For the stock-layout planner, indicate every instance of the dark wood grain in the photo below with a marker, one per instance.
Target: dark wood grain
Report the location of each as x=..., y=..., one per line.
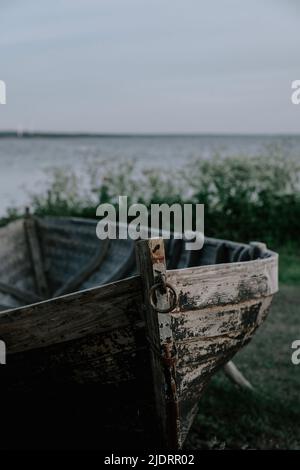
x=71, y=316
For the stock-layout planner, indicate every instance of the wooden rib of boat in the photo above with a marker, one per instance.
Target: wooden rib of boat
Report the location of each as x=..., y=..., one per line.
x=79, y=314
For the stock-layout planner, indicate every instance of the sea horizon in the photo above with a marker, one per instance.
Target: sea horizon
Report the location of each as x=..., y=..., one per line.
x=83, y=134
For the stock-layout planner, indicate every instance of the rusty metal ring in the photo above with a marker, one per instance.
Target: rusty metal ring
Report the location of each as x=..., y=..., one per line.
x=173, y=297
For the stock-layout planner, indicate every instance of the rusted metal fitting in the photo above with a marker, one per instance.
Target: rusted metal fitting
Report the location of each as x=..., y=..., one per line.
x=169, y=361
x=163, y=287
x=169, y=357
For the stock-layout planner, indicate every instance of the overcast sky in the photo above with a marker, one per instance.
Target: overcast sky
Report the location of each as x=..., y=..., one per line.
x=220, y=66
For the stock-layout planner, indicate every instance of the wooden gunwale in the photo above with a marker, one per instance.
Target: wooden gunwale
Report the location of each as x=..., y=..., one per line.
x=88, y=311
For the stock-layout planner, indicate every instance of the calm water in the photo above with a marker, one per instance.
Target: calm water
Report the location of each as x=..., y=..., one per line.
x=24, y=163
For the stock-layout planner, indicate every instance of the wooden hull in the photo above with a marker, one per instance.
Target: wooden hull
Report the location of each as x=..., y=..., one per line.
x=199, y=357
x=105, y=348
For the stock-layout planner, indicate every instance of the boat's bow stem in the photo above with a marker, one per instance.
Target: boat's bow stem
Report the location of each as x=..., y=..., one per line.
x=159, y=300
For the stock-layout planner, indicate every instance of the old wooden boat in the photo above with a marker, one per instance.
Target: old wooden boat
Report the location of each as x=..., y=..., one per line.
x=97, y=341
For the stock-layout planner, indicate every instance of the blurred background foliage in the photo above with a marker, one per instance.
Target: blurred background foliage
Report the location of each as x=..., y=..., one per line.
x=255, y=198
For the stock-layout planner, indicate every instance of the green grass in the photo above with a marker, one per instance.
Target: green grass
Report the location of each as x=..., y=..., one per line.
x=289, y=264
x=269, y=416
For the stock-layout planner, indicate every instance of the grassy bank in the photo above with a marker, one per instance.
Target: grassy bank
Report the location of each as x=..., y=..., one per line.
x=245, y=199
x=289, y=264
x=255, y=198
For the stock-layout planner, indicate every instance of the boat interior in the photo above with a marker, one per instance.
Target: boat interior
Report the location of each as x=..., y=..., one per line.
x=44, y=258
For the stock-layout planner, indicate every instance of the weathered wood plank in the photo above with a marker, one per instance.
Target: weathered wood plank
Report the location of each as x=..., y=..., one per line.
x=103, y=358
x=196, y=348
x=15, y=266
x=206, y=340
x=152, y=267
x=146, y=266
x=206, y=286
x=69, y=317
x=216, y=320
